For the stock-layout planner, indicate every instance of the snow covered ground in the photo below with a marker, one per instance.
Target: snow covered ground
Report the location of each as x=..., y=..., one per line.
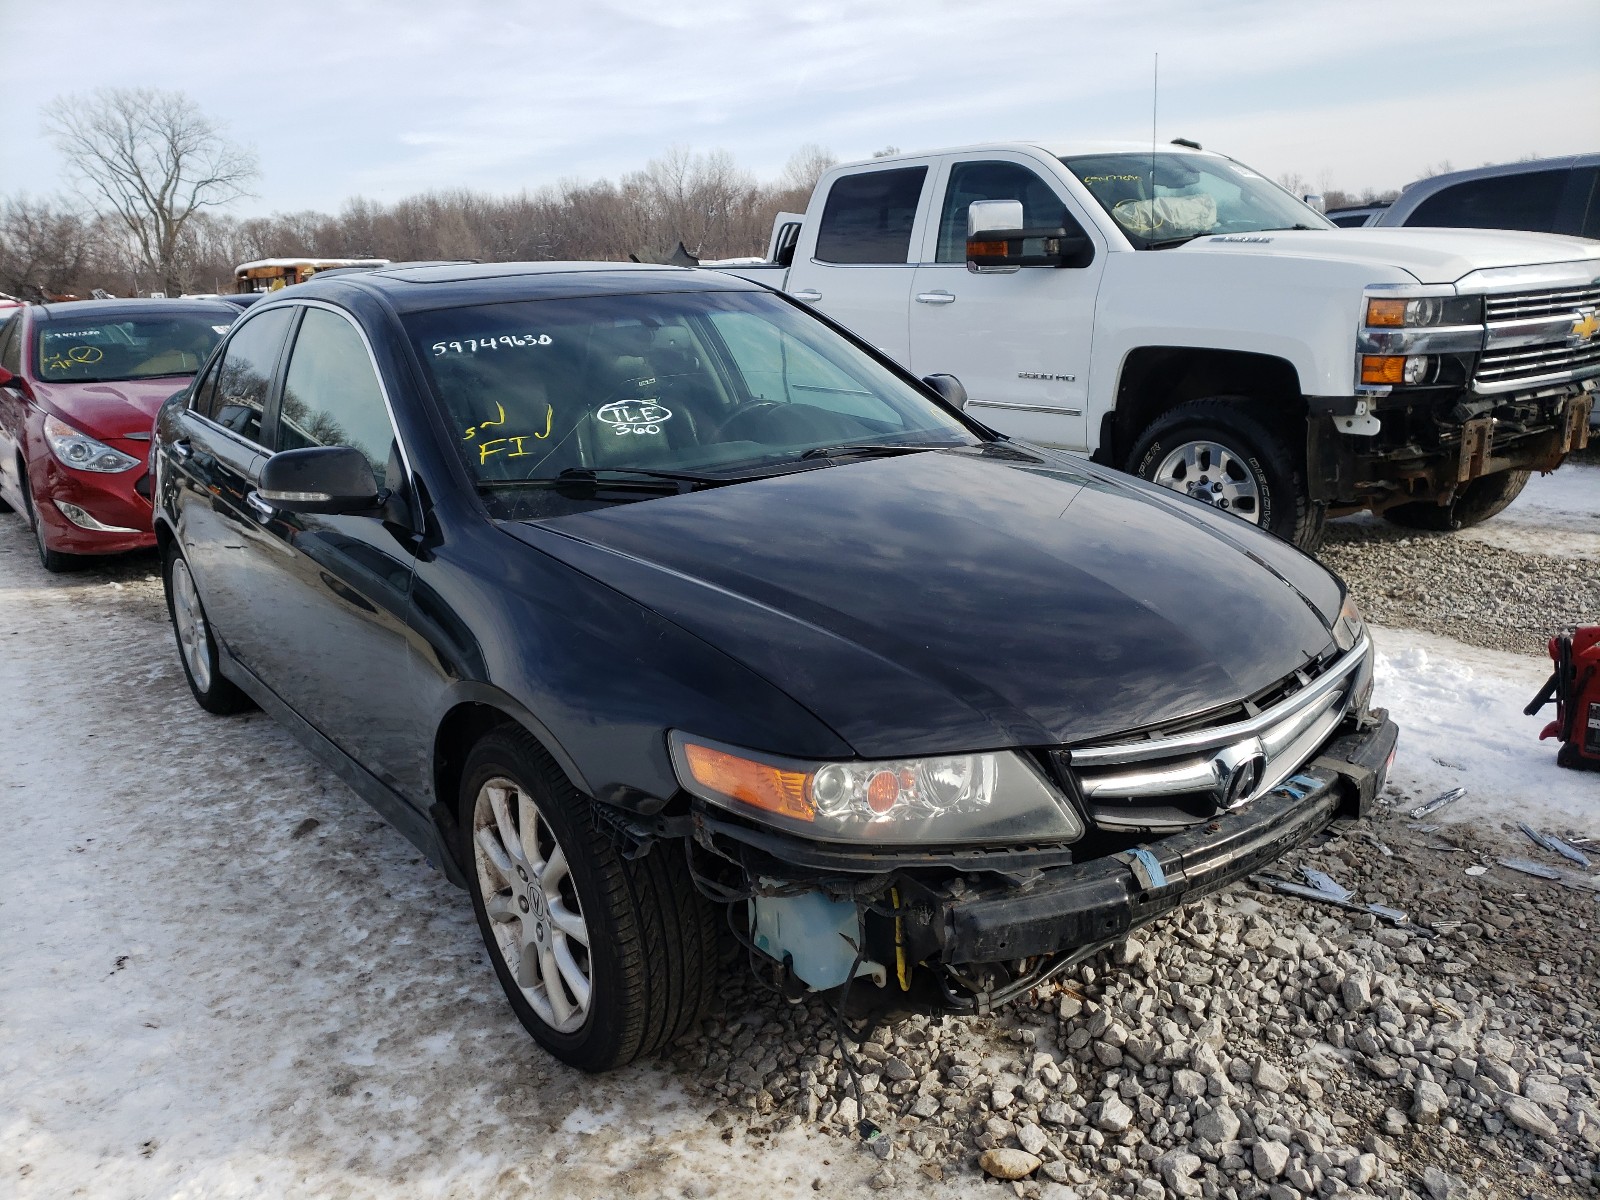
x=225, y=976
x=1462, y=725
x=1557, y=514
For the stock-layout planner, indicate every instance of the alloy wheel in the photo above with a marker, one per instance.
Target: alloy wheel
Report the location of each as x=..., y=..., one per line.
x=532, y=904
x=189, y=619
x=1210, y=472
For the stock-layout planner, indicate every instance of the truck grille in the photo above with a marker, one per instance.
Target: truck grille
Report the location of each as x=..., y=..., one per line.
x=1549, y=303
x=1534, y=362
x=1183, y=778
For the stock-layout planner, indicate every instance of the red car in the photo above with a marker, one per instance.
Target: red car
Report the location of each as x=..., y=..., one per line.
x=79, y=388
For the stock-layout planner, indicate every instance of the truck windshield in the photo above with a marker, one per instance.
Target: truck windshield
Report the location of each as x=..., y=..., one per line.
x=723, y=385
x=1166, y=199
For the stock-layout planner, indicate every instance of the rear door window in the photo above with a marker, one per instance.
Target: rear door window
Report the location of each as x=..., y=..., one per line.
x=234, y=394
x=1528, y=200
x=868, y=217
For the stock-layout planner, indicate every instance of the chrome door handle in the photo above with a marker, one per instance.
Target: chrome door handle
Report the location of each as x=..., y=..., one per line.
x=809, y=295
x=940, y=297
x=262, y=509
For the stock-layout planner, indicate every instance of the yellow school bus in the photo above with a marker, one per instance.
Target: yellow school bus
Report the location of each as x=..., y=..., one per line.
x=270, y=274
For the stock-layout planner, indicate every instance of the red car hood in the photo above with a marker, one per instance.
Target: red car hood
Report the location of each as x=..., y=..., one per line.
x=110, y=410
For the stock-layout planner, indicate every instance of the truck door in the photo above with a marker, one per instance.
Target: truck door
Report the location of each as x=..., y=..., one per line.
x=1019, y=341
x=858, y=265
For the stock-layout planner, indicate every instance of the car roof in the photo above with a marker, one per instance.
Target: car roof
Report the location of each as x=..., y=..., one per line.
x=90, y=309
x=1413, y=194
x=417, y=287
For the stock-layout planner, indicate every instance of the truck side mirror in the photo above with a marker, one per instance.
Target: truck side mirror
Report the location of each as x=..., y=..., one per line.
x=1316, y=201
x=998, y=242
x=949, y=389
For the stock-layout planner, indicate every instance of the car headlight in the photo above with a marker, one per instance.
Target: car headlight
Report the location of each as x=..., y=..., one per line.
x=1347, y=629
x=81, y=452
x=994, y=797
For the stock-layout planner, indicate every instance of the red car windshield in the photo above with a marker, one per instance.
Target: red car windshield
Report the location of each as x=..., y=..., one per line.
x=132, y=347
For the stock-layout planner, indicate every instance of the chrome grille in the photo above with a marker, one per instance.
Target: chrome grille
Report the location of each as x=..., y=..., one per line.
x=1186, y=778
x=1535, y=362
x=1549, y=303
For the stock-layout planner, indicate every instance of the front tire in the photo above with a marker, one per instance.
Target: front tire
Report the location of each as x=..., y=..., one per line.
x=602, y=958
x=1473, y=504
x=197, y=647
x=1222, y=452
x=51, y=560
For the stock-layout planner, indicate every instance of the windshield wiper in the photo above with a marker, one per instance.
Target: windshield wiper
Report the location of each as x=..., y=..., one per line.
x=1166, y=243
x=642, y=478
x=872, y=449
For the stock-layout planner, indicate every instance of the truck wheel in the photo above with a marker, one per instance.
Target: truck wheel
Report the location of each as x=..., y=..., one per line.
x=603, y=958
x=1473, y=505
x=1220, y=452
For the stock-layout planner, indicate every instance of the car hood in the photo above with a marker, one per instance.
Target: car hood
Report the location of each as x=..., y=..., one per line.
x=961, y=600
x=1430, y=255
x=110, y=410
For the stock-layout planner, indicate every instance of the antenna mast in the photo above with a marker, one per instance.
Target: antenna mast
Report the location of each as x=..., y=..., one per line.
x=1155, y=95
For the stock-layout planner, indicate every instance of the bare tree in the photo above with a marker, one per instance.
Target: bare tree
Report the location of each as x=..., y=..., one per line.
x=156, y=160
x=45, y=249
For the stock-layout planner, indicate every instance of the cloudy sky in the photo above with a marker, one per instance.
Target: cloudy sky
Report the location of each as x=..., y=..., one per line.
x=383, y=98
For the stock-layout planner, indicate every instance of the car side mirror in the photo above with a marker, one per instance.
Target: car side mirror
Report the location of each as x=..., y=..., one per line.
x=997, y=241
x=320, y=479
x=949, y=389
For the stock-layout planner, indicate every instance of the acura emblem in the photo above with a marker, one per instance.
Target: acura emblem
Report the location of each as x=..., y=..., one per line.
x=1241, y=783
x=1239, y=770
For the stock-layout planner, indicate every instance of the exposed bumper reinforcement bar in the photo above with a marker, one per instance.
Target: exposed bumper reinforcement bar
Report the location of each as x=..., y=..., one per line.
x=1099, y=902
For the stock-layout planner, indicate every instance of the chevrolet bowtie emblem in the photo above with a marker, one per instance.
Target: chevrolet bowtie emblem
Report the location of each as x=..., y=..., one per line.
x=1585, y=327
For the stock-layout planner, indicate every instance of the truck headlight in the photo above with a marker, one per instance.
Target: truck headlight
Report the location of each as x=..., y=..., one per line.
x=993, y=797
x=1422, y=311
x=81, y=452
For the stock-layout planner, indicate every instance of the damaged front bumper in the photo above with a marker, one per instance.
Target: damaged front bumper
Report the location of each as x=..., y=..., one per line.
x=967, y=932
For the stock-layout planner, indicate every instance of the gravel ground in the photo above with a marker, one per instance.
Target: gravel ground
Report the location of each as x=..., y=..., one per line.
x=1457, y=587
x=1251, y=1045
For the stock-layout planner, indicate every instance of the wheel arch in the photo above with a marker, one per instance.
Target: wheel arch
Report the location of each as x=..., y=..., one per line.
x=1154, y=380
x=474, y=711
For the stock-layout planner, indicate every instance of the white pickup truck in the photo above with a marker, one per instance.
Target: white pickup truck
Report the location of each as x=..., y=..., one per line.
x=1175, y=314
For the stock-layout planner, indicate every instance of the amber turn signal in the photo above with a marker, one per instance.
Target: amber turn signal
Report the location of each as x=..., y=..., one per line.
x=988, y=249
x=1383, y=368
x=1386, y=312
x=786, y=793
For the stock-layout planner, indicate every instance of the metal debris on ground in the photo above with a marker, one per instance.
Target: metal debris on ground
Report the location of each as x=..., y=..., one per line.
x=1339, y=896
x=1572, y=879
x=1443, y=800
x=1381, y=848
x=1555, y=845
x=1477, y=870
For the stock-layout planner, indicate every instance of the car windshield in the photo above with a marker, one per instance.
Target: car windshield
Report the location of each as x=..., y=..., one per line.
x=1166, y=199
x=132, y=347
x=713, y=385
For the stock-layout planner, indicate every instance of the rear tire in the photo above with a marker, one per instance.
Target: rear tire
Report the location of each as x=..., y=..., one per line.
x=1473, y=505
x=1222, y=448
x=197, y=646
x=603, y=959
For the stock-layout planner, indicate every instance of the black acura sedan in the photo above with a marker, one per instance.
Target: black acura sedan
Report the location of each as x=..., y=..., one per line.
x=658, y=611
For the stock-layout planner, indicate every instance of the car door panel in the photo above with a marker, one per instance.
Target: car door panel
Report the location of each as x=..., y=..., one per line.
x=335, y=619
x=858, y=263
x=1019, y=341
